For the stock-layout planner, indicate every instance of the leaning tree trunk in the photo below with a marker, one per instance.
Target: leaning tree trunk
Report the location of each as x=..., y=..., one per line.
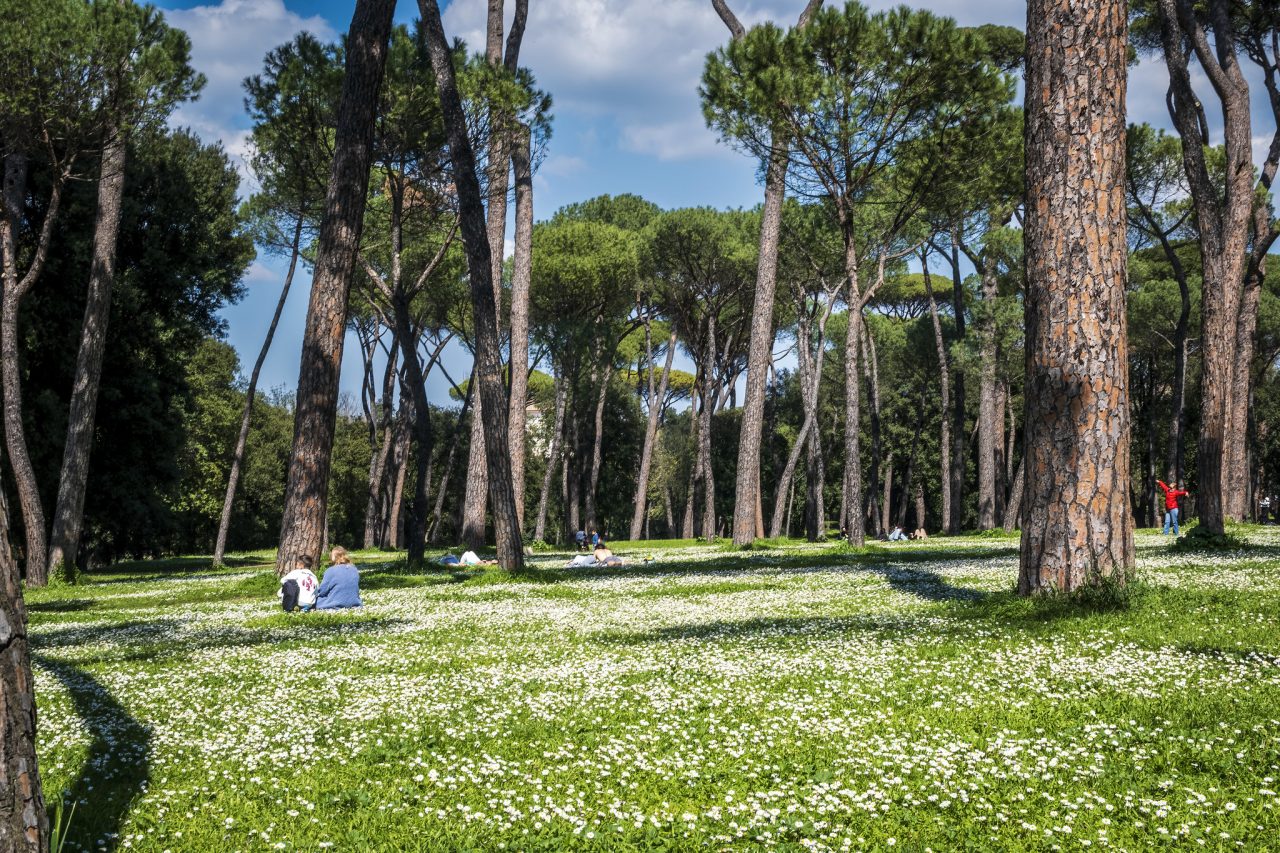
x=1013, y=507
x=433, y=533
x=68, y=516
x=944, y=445
x=484, y=307
x=24, y=824
x=11, y=295
x=522, y=270
x=242, y=440
x=1079, y=527
x=651, y=438
x=315, y=415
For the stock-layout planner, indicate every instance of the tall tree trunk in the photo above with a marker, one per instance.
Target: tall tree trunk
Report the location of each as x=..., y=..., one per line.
x=14, y=289
x=873, y=384
x=379, y=456
x=572, y=480
x=433, y=533
x=419, y=421
x=483, y=287
x=68, y=516
x=1013, y=507
x=695, y=468
x=651, y=436
x=1175, y=455
x=760, y=352
x=597, y=445
x=1079, y=527
x=908, y=482
x=955, y=521
x=787, y=478
x=562, y=395
x=24, y=823
x=852, y=511
x=944, y=376
x=1001, y=452
x=1238, y=497
x=522, y=270
x=1223, y=215
x=307, y=492
x=990, y=415
x=670, y=510
x=476, y=487
x=400, y=463
x=704, y=437
x=242, y=439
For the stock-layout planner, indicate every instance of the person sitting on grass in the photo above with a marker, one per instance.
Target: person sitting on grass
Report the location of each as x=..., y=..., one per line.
x=471, y=558
x=897, y=535
x=340, y=586
x=298, y=588
x=920, y=534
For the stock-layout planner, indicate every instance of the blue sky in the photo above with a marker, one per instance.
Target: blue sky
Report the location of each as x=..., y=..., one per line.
x=624, y=77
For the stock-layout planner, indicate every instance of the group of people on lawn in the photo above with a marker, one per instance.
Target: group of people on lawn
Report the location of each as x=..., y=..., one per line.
x=340, y=588
x=300, y=589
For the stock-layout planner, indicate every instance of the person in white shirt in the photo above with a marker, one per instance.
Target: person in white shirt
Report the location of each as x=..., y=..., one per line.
x=298, y=588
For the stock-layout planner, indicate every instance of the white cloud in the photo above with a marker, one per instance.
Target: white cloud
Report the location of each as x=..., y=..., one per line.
x=681, y=139
x=228, y=43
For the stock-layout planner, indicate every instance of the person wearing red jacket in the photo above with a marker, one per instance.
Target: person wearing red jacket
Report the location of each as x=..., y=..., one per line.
x=1171, y=495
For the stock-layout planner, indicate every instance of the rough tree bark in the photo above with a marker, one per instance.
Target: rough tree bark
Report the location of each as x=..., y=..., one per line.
x=484, y=306
x=242, y=439
x=306, y=494
x=521, y=274
x=1079, y=528
x=13, y=288
x=24, y=824
x=68, y=516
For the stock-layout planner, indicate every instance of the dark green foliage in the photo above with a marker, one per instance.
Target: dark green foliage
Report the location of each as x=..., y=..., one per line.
x=180, y=258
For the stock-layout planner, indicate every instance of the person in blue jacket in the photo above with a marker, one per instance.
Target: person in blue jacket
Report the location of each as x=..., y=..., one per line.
x=340, y=586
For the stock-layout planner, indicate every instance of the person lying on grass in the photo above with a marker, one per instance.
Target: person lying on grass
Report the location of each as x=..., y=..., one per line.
x=605, y=557
x=340, y=586
x=471, y=558
x=298, y=588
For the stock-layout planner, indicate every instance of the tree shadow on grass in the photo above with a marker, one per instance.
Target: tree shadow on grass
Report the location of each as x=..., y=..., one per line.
x=116, y=769
x=166, y=641
x=886, y=626
x=926, y=585
x=65, y=605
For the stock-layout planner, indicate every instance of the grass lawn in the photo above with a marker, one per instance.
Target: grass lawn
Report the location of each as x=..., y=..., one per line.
x=791, y=697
